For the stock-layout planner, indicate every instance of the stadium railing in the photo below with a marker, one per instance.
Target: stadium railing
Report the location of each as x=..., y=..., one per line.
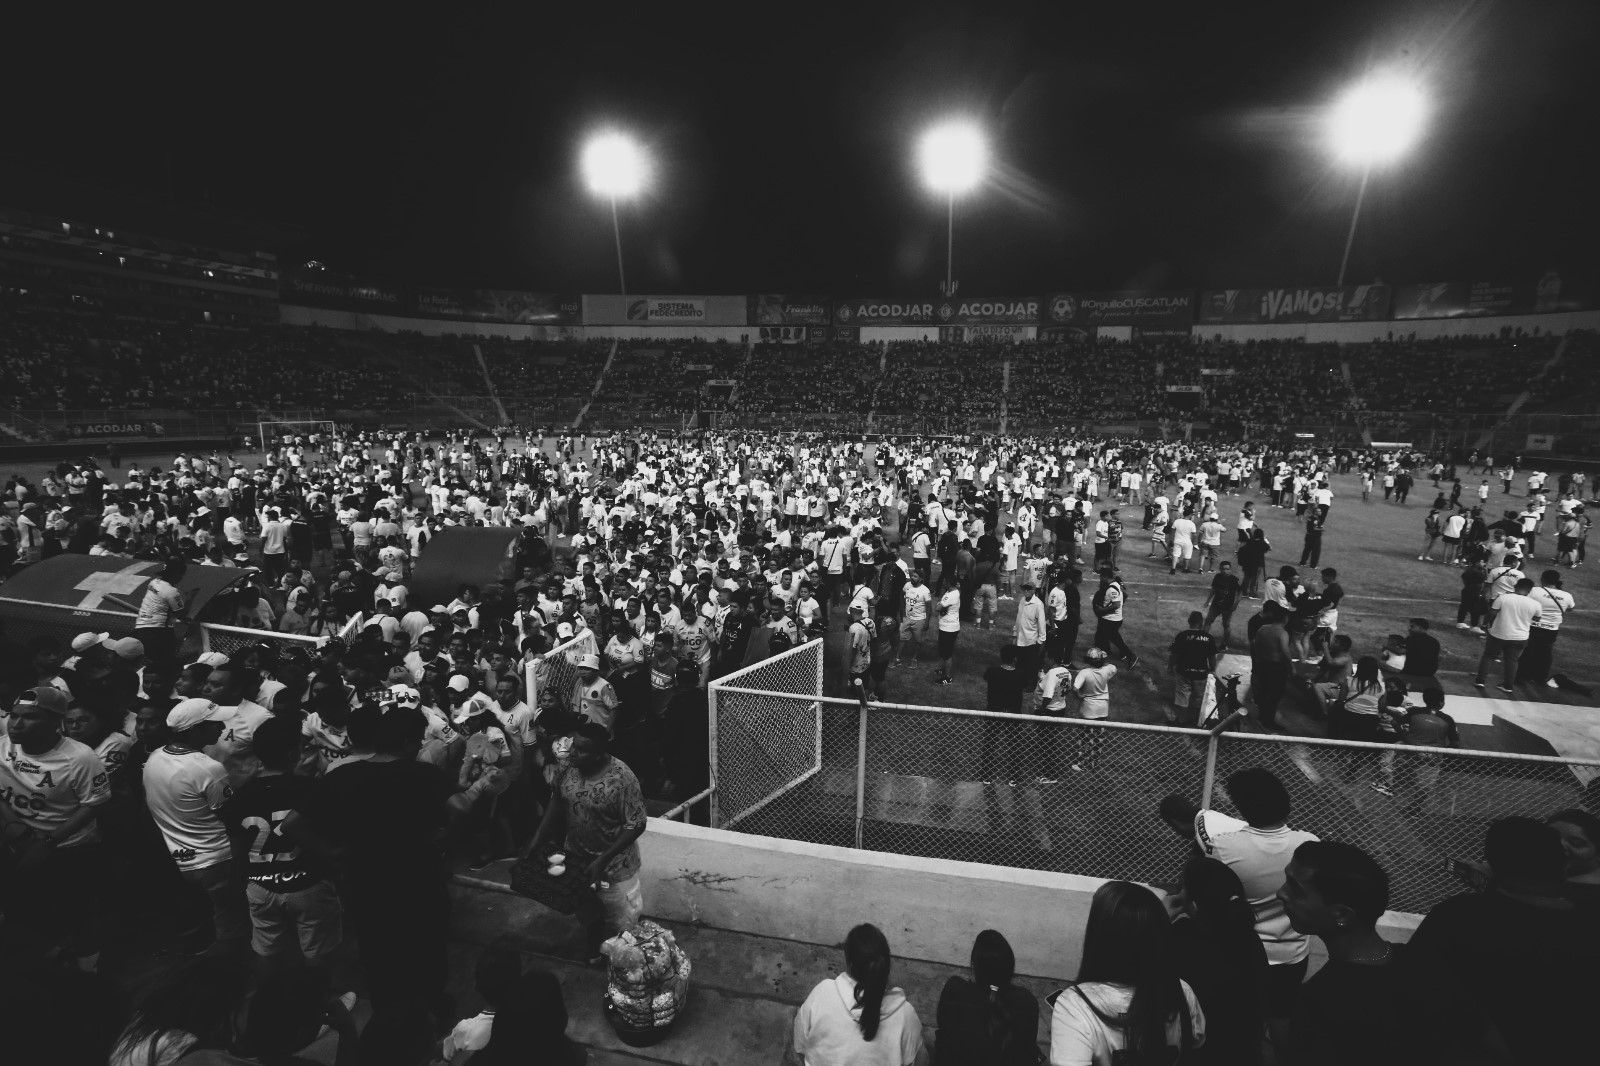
x=229, y=639
x=549, y=678
x=1082, y=797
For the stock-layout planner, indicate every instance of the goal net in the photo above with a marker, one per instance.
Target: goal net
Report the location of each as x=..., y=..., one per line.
x=273, y=435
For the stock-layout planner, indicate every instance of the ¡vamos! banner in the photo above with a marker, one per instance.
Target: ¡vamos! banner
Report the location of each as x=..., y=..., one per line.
x=1353, y=303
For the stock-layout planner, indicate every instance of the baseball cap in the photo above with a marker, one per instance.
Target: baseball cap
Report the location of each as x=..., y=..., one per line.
x=44, y=698
x=564, y=631
x=212, y=659
x=84, y=641
x=438, y=608
x=590, y=661
x=127, y=648
x=191, y=712
x=477, y=703
x=459, y=682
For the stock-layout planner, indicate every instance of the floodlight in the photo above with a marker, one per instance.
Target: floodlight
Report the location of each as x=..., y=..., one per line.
x=614, y=166
x=1377, y=120
x=952, y=157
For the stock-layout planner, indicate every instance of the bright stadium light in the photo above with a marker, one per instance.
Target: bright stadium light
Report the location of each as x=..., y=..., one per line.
x=1377, y=120
x=1374, y=123
x=615, y=167
x=953, y=157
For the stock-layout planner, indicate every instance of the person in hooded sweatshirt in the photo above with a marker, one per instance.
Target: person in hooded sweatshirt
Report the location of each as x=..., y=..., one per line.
x=856, y=1018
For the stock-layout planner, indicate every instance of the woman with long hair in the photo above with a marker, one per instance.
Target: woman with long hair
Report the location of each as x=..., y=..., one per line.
x=194, y=1006
x=987, y=1021
x=1129, y=1003
x=1356, y=716
x=1218, y=954
x=858, y=1018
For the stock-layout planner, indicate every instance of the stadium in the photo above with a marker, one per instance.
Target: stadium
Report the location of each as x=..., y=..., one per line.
x=403, y=670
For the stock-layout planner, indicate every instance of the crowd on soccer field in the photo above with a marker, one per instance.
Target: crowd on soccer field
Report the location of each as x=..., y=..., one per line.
x=288, y=799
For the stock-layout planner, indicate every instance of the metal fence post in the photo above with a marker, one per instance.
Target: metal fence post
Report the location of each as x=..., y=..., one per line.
x=713, y=699
x=1207, y=785
x=861, y=771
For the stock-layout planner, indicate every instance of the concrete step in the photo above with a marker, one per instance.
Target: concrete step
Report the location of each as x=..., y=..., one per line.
x=743, y=994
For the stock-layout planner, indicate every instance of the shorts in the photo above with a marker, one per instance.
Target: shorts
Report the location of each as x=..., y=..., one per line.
x=914, y=629
x=312, y=915
x=947, y=643
x=1183, y=689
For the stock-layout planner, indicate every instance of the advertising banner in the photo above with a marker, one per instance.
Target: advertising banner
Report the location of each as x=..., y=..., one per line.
x=1457, y=299
x=118, y=429
x=1170, y=310
x=324, y=288
x=998, y=310
x=770, y=309
x=1540, y=442
x=1353, y=303
x=1195, y=389
x=1066, y=334
x=874, y=312
x=689, y=309
x=1217, y=371
x=783, y=334
x=994, y=334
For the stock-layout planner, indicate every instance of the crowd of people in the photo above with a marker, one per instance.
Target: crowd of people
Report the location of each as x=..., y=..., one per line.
x=69, y=358
x=290, y=799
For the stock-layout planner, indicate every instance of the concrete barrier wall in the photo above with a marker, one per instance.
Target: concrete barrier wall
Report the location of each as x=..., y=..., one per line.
x=930, y=909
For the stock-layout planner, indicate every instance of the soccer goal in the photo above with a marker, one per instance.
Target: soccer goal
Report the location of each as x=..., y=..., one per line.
x=272, y=434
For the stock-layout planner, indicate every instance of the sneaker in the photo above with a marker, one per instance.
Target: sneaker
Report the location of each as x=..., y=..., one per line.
x=1479, y=685
x=1551, y=683
x=944, y=681
x=1482, y=632
x=1462, y=625
x=1042, y=780
x=1421, y=557
x=1382, y=789
x=1508, y=691
x=1077, y=769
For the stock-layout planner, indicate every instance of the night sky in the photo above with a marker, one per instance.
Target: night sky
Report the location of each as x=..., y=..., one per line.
x=1137, y=147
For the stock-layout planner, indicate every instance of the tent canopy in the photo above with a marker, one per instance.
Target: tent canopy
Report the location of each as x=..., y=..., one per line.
x=69, y=594
x=458, y=555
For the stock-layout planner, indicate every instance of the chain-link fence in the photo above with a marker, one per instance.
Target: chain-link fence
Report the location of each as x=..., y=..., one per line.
x=1082, y=797
x=549, y=679
x=1416, y=810
x=766, y=727
x=230, y=639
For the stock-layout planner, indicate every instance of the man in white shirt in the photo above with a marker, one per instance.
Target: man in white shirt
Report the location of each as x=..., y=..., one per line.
x=949, y=626
x=1183, y=531
x=184, y=787
x=1515, y=614
x=1555, y=603
x=226, y=687
x=1257, y=850
x=274, y=545
x=914, y=623
x=1029, y=633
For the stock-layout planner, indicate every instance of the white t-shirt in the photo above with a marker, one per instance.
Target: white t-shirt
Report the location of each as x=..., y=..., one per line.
x=917, y=599
x=950, y=611
x=1258, y=856
x=1514, y=616
x=45, y=790
x=1079, y=1038
x=183, y=790
x=1553, y=606
x=242, y=722
x=1093, y=685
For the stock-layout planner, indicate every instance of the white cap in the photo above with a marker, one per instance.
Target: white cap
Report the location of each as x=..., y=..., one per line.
x=191, y=712
x=84, y=641
x=212, y=659
x=590, y=661
x=127, y=648
x=459, y=682
x=564, y=631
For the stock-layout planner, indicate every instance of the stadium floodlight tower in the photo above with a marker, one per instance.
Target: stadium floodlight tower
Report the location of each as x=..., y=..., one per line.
x=953, y=157
x=1373, y=124
x=615, y=167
